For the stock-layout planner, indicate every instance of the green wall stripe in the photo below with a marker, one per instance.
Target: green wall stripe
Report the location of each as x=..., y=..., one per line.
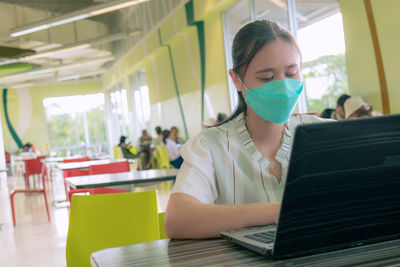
x=171, y=60
x=201, y=37
x=10, y=127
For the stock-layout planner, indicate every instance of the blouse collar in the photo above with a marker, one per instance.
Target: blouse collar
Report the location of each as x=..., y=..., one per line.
x=282, y=155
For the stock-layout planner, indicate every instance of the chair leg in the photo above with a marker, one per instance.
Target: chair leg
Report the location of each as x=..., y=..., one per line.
x=12, y=207
x=66, y=191
x=47, y=206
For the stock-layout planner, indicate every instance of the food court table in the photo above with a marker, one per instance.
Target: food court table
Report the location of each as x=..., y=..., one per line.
x=122, y=178
x=85, y=164
x=218, y=252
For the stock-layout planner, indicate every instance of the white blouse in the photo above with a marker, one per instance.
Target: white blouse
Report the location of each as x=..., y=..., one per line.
x=223, y=166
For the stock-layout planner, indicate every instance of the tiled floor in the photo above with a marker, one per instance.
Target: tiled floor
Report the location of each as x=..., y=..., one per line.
x=34, y=241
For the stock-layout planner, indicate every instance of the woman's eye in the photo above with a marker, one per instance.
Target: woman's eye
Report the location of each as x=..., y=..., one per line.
x=291, y=74
x=267, y=79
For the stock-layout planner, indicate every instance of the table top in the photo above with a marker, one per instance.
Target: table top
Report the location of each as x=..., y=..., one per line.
x=85, y=164
x=122, y=178
x=219, y=252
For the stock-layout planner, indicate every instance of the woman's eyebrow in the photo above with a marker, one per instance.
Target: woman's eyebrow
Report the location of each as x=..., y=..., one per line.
x=265, y=70
x=272, y=69
x=292, y=65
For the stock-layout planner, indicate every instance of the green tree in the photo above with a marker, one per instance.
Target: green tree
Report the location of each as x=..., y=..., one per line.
x=333, y=67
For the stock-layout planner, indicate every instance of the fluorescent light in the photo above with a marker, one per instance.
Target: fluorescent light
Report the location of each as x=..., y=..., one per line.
x=116, y=7
x=37, y=72
x=74, y=16
x=70, y=77
x=56, y=51
x=10, y=61
x=68, y=20
x=30, y=30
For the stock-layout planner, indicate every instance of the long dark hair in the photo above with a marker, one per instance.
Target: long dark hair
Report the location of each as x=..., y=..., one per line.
x=248, y=41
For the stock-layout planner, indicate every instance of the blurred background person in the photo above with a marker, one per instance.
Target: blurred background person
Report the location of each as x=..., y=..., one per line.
x=355, y=107
x=173, y=149
x=128, y=151
x=327, y=113
x=221, y=117
x=144, y=148
x=339, y=113
x=174, y=135
x=157, y=141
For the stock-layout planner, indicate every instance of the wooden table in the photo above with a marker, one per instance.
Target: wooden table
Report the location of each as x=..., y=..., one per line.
x=123, y=178
x=218, y=252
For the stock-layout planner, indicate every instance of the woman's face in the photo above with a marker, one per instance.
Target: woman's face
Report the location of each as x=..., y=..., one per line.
x=276, y=61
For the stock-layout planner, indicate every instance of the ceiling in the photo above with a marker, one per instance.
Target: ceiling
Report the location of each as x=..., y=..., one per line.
x=61, y=53
x=67, y=52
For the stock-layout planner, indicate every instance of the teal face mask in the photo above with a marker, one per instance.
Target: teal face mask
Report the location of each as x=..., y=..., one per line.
x=274, y=101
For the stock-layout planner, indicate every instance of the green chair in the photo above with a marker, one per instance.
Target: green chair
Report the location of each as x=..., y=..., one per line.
x=162, y=158
x=161, y=225
x=109, y=220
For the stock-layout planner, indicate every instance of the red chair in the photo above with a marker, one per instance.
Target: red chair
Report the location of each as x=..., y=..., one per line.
x=32, y=167
x=115, y=167
x=42, y=190
x=72, y=173
x=85, y=158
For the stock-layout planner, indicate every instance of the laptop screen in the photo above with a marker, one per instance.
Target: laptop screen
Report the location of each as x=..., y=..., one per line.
x=343, y=186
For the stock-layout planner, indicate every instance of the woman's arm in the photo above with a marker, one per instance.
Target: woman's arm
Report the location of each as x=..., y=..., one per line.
x=187, y=217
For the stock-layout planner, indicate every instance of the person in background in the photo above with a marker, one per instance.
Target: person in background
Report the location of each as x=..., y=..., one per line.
x=126, y=148
x=28, y=147
x=327, y=113
x=173, y=150
x=157, y=141
x=339, y=110
x=221, y=117
x=355, y=107
x=233, y=174
x=174, y=135
x=145, y=151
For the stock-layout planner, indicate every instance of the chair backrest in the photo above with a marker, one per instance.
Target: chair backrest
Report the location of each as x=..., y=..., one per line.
x=76, y=172
x=109, y=220
x=85, y=158
x=114, y=167
x=162, y=157
x=161, y=216
x=33, y=166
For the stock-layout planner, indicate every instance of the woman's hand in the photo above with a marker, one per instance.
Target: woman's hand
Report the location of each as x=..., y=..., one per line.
x=187, y=217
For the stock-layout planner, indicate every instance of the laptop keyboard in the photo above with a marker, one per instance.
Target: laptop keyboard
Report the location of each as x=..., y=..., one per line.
x=266, y=237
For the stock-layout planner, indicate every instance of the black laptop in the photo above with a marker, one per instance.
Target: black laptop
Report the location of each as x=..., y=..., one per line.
x=342, y=190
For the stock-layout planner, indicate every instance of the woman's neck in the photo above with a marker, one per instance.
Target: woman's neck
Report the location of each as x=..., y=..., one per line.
x=266, y=135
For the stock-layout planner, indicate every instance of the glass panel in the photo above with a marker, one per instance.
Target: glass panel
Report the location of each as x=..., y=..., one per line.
x=236, y=17
x=67, y=126
x=321, y=40
x=275, y=10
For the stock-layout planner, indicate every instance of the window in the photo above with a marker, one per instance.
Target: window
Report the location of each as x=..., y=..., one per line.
x=324, y=66
x=119, y=112
x=75, y=124
x=141, y=102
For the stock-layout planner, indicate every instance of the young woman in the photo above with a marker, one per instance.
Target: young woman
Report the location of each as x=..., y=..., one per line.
x=233, y=174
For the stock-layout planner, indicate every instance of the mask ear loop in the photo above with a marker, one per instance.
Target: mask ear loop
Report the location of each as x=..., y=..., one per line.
x=243, y=84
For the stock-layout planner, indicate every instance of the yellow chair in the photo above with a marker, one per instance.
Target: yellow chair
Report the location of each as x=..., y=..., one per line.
x=117, y=152
x=109, y=220
x=161, y=225
x=162, y=158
